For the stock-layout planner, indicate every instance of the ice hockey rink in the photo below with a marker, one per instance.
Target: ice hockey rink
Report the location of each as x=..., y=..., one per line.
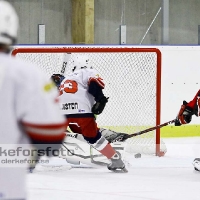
x=149, y=178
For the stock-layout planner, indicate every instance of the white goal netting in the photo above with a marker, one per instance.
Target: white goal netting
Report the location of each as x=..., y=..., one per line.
x=132, y=83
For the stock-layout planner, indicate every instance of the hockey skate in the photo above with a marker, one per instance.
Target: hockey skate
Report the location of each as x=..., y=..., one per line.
x=117, y=164
x=196, y=164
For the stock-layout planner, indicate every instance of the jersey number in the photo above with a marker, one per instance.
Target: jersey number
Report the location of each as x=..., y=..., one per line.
x=69, y=86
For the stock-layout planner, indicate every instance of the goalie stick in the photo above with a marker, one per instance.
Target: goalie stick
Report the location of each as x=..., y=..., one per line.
x=66, y=58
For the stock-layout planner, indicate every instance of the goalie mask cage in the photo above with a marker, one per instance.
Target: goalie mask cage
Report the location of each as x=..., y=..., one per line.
x=132, y=79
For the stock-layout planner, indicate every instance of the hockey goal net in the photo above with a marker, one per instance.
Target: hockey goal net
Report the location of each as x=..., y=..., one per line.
x=132, y=79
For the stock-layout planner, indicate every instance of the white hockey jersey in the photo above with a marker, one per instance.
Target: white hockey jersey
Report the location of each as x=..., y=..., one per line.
x=28, y=110
x=74, y=97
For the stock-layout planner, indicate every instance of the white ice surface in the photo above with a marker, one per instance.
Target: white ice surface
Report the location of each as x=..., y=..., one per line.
x=149, y=178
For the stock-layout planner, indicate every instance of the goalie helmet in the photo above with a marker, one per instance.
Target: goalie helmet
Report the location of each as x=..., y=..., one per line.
x=9, y=23
x=81, y=62
x=57, y=79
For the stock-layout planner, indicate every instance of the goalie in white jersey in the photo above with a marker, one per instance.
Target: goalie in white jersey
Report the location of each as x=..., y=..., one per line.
x=81, y=97
x=29, y=111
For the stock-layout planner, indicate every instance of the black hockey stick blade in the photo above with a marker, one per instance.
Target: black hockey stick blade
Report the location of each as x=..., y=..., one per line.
x=148, y=130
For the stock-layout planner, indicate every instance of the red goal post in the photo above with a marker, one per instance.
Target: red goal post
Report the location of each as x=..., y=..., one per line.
x=133, y=82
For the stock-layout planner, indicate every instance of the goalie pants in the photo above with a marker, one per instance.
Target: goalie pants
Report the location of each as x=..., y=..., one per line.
x=86, y=125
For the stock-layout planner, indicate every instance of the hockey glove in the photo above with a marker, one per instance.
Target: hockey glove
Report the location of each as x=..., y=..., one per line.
x=113, y=136
x=121, y=137
x=99, y=106
x=185, y=115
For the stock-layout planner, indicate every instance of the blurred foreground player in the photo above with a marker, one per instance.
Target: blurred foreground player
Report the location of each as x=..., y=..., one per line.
x=185, y=116
x=81, y=98
x=29, y=111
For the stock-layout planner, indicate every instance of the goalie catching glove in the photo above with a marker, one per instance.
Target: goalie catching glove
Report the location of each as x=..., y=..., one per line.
x=99, y=106
x=185, y=115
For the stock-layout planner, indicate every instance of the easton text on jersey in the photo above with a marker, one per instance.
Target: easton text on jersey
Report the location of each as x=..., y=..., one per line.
x=68, y=106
